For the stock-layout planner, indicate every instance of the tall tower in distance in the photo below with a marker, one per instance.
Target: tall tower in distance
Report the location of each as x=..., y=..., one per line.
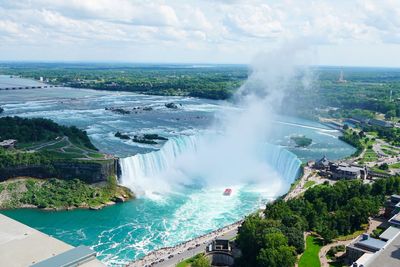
x=341, y=77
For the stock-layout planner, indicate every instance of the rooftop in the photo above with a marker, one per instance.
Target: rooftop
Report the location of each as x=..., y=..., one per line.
x=21, y=245
x=389, y=257
x=371, y=243
x=395, y=219
x=349, y=168
x=390, y=233
x=395, y=197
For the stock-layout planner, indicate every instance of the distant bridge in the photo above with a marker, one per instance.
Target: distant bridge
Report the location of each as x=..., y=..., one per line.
x=18, y=87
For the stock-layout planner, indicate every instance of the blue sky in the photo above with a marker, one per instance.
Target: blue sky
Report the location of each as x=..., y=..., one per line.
x=355, y=33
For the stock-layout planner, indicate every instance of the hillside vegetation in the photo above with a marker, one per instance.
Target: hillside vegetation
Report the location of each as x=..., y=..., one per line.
x=327, y=210
x=39, y=130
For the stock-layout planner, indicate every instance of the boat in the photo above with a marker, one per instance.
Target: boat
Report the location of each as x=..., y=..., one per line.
x=227, y=192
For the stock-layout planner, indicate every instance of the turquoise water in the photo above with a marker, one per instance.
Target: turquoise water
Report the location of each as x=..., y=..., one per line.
x=128, y=231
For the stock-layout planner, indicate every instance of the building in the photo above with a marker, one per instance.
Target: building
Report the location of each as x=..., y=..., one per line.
x=220, y=244
x=387, y=256
x=348, y=172
x=362, y=245
x=395, y=220
x=392, y=206
x=380, y=123
x=21, y=245
x=322, y=164
x=340, y=170
x=9, y=143
x=383, y=252
x=220, y=253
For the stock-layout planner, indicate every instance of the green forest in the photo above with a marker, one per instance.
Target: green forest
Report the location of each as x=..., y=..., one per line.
x=26, y=130
x=328, y=210
x=39, y=141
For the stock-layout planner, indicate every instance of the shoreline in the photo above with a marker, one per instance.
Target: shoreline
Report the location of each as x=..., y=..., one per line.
x=162, y=254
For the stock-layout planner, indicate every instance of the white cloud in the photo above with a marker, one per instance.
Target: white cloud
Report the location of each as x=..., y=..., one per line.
x=233, y=28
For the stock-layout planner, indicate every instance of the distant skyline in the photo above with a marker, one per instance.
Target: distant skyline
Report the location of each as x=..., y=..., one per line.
x=339, y=33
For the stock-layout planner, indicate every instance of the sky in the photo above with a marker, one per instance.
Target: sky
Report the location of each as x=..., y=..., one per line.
x=339, y=32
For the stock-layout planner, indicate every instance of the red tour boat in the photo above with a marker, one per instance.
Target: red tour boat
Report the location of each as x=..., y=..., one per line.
x=227, y=192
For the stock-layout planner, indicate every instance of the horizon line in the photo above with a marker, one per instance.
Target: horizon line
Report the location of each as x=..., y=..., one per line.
x=177, y=63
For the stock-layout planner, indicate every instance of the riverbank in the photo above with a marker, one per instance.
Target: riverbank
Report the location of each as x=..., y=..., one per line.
x=55, y=194
x=169, y=256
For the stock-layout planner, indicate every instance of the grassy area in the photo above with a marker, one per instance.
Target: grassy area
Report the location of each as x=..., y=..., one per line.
x=373, y=134
x=370, y=156
x=56, y=146
x=390, y=152
x=353, y=235
x=55, y=193
x=294, y=184
x=309, y=183
x=96, y=155
x=377, y=170
x=187, y=262
x=390, y=147
x=395, y=165
x=310, y=256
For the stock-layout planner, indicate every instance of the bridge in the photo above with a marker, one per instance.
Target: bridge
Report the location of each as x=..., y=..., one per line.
x=17, y=87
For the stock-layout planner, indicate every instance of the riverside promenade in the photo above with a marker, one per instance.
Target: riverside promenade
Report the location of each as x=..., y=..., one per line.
x=170, y=256
x=21, y=245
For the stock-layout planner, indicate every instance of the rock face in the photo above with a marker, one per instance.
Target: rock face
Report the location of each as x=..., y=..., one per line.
x=90, y=172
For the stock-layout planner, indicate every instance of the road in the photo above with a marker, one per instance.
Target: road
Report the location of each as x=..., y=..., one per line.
x=185, y=250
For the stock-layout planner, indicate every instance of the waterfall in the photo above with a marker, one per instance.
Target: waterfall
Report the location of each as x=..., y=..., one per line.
x=155, y=171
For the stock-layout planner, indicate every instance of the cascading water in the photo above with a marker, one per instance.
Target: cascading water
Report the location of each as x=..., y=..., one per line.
x=140, y=171
x=155, y=171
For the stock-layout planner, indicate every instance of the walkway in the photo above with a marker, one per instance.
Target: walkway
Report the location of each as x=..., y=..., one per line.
x=171, y=256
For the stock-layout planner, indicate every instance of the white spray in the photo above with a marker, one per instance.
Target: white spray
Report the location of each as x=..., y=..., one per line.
x=234, y=154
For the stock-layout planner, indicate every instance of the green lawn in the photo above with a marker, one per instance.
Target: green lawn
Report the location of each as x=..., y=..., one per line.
x=353, y=235
x=395, y=165
x=370, y=155
x=376, y=169
x=390, y=152
x=309, y=183
x=187, y=262
x=310, y=256
x=374, y=134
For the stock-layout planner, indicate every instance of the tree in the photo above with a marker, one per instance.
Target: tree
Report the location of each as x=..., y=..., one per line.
x=384, y=166
x=295, y=238
x=282, y=256
x=390, y=114
x=345, y=127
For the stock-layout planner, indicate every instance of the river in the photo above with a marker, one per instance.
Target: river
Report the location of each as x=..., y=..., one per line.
x=127, y=231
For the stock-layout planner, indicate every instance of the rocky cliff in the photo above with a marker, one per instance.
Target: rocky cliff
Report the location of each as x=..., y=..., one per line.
x=91, y=171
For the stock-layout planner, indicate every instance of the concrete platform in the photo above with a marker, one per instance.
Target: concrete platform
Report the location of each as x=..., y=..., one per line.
x=21, y=245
